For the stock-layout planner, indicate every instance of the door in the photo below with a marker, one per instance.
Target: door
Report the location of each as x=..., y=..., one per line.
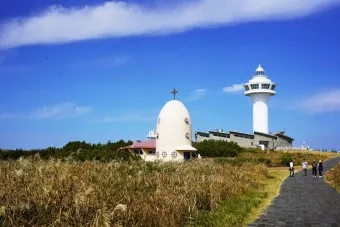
x=186, y=156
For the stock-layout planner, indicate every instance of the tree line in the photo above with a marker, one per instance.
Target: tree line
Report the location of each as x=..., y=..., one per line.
x=75, y=150
x=81, y=151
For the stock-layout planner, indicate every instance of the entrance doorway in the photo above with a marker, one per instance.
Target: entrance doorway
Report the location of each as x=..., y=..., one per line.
x=186, y=156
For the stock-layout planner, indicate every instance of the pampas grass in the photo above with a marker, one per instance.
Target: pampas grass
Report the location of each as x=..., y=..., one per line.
x=43, y=193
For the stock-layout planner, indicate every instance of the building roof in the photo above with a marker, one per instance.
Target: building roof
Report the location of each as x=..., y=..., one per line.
x=147, y=144
x=186, y=148
x=283, y=135
x=243, y=133
x=259, y=69
x=265, y=134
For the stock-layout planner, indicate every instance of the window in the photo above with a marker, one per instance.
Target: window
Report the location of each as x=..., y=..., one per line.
x=186, y=120
x=265, y=86
x=157, y=136
x=246, y=87
x=159, y=120
x=187, y=135
x=151, y=152
x=174, y=154
x=254, y=86
x=260, y=73
x=138, y=152
x=273, y=87
x=164, y=154
x=157, y=154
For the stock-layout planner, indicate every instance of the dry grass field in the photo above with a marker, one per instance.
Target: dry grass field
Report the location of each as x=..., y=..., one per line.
x=35, y=192
x=204, y=192
x=333, y=177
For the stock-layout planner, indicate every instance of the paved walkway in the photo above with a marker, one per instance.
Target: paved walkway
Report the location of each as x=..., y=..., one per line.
x=304, y=201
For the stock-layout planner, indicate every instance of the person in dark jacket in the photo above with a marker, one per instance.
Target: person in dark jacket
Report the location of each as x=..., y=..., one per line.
x=320, y=168
x=314, y=166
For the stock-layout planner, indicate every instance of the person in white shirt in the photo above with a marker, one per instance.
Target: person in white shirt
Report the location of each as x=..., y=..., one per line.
x=304, y=166
x=291, y=169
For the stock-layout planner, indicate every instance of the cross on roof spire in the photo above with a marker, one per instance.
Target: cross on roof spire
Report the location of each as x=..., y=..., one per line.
x=174, y=92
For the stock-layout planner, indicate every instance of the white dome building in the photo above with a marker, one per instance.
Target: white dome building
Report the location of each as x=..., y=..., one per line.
x=173, y=133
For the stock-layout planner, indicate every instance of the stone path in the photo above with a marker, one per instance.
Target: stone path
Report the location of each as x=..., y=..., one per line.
x=304, y=201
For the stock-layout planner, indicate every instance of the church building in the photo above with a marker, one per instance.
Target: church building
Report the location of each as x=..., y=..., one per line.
x=173, y=137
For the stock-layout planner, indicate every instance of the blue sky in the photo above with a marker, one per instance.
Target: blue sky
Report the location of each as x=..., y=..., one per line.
x=99, y=71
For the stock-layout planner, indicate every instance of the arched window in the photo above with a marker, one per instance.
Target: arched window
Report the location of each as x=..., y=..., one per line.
x=157, y=135
x=187, y=135
x=186, y=120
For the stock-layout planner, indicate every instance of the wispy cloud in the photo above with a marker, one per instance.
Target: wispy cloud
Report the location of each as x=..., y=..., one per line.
x=135, y=117
x=233, y=88
x=117, y=19
x=328, y=101
x=196, y=95
x=58, y=111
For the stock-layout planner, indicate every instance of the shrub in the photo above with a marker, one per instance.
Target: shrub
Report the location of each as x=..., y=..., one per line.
x=285, y=159
x=218, y=148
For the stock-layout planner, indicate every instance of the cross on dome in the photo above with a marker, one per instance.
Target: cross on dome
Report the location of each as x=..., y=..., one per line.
x=174, y=92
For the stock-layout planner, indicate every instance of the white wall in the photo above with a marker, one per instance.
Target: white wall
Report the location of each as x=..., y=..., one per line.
x=260, y=112
x=172, y=131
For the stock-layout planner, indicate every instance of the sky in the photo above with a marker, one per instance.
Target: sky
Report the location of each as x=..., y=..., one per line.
x=99, y=70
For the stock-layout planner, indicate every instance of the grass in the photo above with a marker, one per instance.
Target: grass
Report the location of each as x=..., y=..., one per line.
x=244, y=209
x=206, y=192
x=36, y=192
x=333, y=177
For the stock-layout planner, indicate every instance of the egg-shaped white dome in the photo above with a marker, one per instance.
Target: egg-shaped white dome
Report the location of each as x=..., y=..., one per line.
x=173, y=133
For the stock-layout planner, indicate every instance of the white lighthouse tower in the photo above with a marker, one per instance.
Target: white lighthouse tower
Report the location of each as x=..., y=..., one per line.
x=259, y=88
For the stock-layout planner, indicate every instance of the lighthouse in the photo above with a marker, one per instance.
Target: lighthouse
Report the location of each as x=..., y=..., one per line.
x=259, y=89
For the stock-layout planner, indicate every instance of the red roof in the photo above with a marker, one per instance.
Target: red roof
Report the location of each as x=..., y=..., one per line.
x=147, y=144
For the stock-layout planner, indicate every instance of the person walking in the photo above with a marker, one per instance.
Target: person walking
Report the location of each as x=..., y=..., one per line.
x=291, y=169
x=304, y=166
x=314, y=165
x=320, y=168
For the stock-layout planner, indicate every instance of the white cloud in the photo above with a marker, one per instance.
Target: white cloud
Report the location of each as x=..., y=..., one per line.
x=197, y=94
x=58, y=111
x=117, y=19
x=328, y=101
x=234, y=88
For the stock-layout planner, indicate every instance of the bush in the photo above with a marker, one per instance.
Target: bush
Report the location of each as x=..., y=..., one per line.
x=285, y=159
x=218, y=148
